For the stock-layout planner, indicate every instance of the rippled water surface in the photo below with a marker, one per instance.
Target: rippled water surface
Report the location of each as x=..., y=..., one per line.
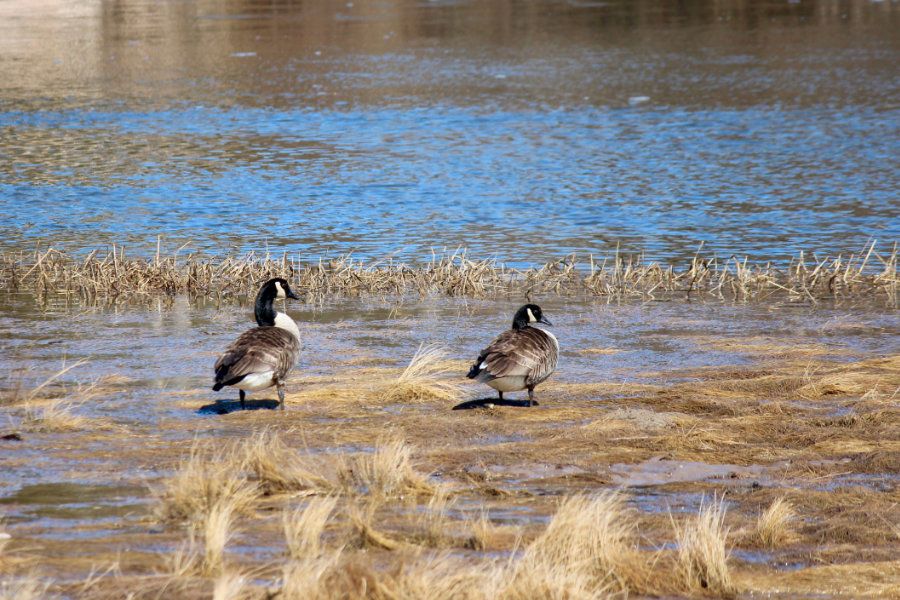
x=521, y=130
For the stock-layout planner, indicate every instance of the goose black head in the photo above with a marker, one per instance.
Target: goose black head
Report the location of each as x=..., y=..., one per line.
x=268, y=293
x=530, y=313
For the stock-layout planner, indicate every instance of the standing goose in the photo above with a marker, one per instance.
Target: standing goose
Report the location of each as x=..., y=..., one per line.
x=519, y=358
x=263, y=356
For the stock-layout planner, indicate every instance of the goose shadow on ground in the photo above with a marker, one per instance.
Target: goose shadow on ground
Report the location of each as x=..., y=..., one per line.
x=223, y=407
x=491, y=402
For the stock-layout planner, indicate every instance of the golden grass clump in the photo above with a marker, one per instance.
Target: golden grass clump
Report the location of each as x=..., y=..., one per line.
x=110, y=275
x=432, y=524
x=230, y=586
x=587, y=551
x=775, y=526
x=423, y=380
x=304, y=526
x=702, y=551
x=276, y=468
x=435, y=576
x=216, y=533
x=386, y=472
x=17, y=394
x=319, y=578
x=202, y=485
x=26, y=588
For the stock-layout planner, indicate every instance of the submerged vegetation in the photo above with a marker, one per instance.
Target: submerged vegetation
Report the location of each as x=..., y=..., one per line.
x=112, y=274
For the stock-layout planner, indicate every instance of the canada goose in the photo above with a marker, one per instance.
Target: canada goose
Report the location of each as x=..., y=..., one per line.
x=519, y=358
x=263, y=356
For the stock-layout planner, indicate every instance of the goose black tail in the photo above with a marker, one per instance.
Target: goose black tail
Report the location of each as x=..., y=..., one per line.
x=473, y=372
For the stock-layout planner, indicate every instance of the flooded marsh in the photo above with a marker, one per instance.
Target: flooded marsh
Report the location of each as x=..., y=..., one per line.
x=733, y=449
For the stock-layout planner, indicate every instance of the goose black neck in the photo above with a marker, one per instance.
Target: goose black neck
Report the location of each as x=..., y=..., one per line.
x=521, y=320
x=265, y=309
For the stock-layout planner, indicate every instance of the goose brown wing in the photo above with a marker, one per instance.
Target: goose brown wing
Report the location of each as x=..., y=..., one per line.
x=519, y=352
x=257, y=350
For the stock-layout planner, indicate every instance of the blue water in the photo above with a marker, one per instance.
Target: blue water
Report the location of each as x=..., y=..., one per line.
x=376, y=128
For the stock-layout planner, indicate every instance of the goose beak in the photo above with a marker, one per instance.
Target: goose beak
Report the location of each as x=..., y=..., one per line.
x=290, y=294
x=545, y=321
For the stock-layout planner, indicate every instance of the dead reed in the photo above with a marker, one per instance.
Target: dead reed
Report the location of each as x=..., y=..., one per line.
x=112, y=275
x=588, y=550
x=303, y=527
x=424, y=379
x=23, y=589
x=205, y=482
x=702, y=551
x=387, y=472
x=775, y=526
x=275, y=468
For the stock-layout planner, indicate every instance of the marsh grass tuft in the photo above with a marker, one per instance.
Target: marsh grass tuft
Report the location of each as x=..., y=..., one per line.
x=230, y=586
x=207, y=481
x=432, y=526
x=304, y=526
x=216, y=533
x=55, y=416
x=386, y=472
x=112, y=275
x=277, y=468
x=436, y=576
x=26, y=588
x=775, y=526
x=587, y=549
x=424, y=379
x=702, y=550
x=321, y=578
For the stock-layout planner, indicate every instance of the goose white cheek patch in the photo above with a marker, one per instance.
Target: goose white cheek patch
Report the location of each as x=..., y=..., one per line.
x=531, y=318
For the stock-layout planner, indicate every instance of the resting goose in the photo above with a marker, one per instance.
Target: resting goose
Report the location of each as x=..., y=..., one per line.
x=519, y=358
x=263, y=356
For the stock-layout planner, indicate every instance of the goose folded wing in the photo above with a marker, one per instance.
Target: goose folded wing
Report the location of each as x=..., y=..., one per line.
x=515, y=353
x=258, y=350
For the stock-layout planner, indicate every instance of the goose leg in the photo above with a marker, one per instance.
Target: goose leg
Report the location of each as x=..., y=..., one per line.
x=530, y=396
x=501, y=395
x=280, y=397
x=243, y=406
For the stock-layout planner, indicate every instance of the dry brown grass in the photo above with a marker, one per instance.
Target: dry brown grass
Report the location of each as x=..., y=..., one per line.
x=111, y=275
x=216, y=533
x=25, y=588
x=776, y=526
x=425, y=379
x=702, y=551
x=230, y=586
x=386, y=472
x=17, y=394
x=319, y=579
x=587, y=550
x=304, y=526
x=436, y=576
x=52, y=405
x=277, y=468
x=203, y=484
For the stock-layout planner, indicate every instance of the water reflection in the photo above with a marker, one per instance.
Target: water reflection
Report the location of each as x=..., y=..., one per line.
x=522, y=130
